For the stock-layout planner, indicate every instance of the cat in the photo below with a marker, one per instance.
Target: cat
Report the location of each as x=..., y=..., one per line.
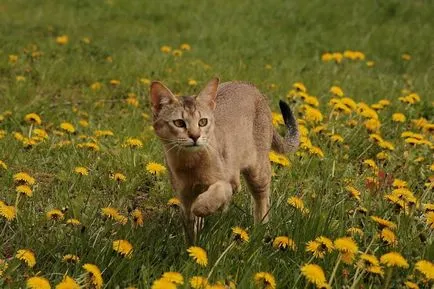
x=212, y=138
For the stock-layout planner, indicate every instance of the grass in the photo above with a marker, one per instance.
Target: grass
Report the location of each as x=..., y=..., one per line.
x=235, y=41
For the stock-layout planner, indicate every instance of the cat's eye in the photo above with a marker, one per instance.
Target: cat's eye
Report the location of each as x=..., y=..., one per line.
x=203, y=122
x=179, y=123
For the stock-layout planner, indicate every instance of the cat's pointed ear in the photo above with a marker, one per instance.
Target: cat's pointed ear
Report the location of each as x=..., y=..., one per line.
x=160, y=96
x=209, y=93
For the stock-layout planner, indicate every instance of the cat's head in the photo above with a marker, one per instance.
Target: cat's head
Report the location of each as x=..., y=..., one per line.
x=184, y=122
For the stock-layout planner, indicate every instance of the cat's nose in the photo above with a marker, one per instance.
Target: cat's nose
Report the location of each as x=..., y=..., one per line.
x=194, y=137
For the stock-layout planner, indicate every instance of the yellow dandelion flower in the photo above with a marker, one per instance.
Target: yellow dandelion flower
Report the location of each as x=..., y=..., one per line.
x=299, y=87
x=398, y=117
x=96, y=86
x=394, y=259
x=354, y=193
x=8, y=212
x=185, y=47
x=89, y=145
x=38, y=283
x=173, y=202
x=312, y=100
x=240, y=234
x=166, y=49
x=25, y=190
x=13, y=58
x=428, y=207
x=62, y=40
x=298, y=203
x=375, y=270
x=371, y=163
x=199, y=282
x=83, y=123
x=123, y=247
x=326, y=57
x=386, y=145
x=94, y=275
x=426, y=268
x=351, y=104
x=109, y=212
x=145, y=81
x=115, y=82
x=373, y=125
x=82, y=171
x=320, y=246
x=430, y=219
x=278, y=159
x=163, y=284
x=173, y=277
x=382, y=223
x=103, y=133
x=284, y=242
x=24, y=178
x=67, y=127
x=370, y=63
x=68, y=283
x=70, y=258
x=411, y=285
x=312, y=114
x=199, y=255
x=20, y=78
x=55, y=214
x=155, y=168
x=27, y=256
x=313, y=274
x=137, y=218
x=382, y=156
x=367, y=260
x=353, y=231
x=336, y=90
x=342, y=108
x=33, y=118
x=346, y=245
x=336, y=138
x=316, y=151
x=119, y=177
x=406, y=57
x=177, y=52
x=133, y=101
x=133, y=143
x=265, y=280
x=388, y=237
x=277, y=119
x=337, y=57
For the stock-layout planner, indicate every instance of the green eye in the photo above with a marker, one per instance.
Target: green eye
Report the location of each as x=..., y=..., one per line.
x=179, y=123
x=203, y=122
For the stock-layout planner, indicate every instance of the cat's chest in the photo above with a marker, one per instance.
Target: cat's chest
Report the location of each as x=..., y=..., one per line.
x=196, y=181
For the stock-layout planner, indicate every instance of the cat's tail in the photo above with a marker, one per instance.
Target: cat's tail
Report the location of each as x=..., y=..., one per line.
x=291, y=141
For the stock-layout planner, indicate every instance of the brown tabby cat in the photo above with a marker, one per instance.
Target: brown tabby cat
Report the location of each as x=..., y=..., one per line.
x=211, y=138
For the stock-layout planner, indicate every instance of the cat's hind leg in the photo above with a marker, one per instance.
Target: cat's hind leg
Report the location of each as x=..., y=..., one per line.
x=216, y=197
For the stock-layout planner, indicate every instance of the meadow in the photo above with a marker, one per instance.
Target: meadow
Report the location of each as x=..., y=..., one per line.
x=85, y=200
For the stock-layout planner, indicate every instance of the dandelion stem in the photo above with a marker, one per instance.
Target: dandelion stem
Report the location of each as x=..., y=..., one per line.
x=335, y=269
x=219, y=259
x=30, y=130
x=388, y=278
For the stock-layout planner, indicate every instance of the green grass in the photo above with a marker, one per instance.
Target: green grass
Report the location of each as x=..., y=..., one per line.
x=233, y=41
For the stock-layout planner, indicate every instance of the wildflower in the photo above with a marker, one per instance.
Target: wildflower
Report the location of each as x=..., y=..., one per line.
x=94, y=274
x=68, y=127
x=103, y=133
x=336, y=90
x=165, y=49
x=353, y=231
x=426, y=268
x=25, y=190
x=20, y=78
x=320, y=246
x=298, y=203
x=398, y=117
x=192, y=82
x=123, y=247
x=367, y=260
x=411, y=285
x=137, y=218
x=265, y=280
x=174, y=202
x=314, y=274
x=383, y=223
x=430, y=219
x=70, y=258
x=346, y=245
x=55, y=214
x=33, y=118
x=89, y=145
x=8, y=212
x=325, y=57
x=115, y=82
x=278, y=158
x=173, y=277
x=24, y=178
x=199, y=255
x=163, y=284
x=82, y=171
x=27, y=256
x=177, y=52
x=312, y=114
x=388, y=237
x=372, y=124
x=370, y=63
x=351, y=104
x=353, y=192
x=240, y=234
x=185, y=47
x=38, y=283
x=119, y=177
x=394, y=259
x=298, y=86
x=68, y=283
x=109, y=212
x=316, y=151
x=386, y=145
x=155, y=168
x=96, y=86
x=283, y=242
x=341, y=107
x=371, y=163
x=13, y=58
x=406, y=56
x=337, y=138
x=132, y=101
x=198, y=282
x=62, y=40
x=337, y=57
x=133, y=143
x=277, y=119
x=312, y=100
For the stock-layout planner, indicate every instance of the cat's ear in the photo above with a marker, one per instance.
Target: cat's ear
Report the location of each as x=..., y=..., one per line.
x=209, y=93
x=160, y=96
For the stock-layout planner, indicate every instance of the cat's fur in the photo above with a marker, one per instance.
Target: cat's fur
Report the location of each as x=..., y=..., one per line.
x=205, y=162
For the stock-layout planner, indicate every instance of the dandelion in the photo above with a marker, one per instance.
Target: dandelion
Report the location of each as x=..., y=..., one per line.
x=406, y=57
x=115, y=82
x=12, y=58
x=426, y=268
x=393, y=259
x=67, y=127
x=430, y=219
x=25, y=190
x=398, y=117
x=240, y=234
x=89, y=145
x=192, y=82
x=411, y=285
x=284, y=242
x=27, y=256
x=354, y=231
x=199, y=255
x=95, y=276
x=109, y=212
x=173, y=202
x=123, y=247
x=298, y=203
x=55, y=214
x=265, y=280
x=277, y=119
x=96, y=86
x=313, y=274
x=163, y=284
x=133, y=143
x=82, y=171
x=185, y=47
x=336, y=90
x=320, y=246
x=119, y=177
x=24, y=178
x=177, y=52
x=155, y=168
x=68, y=283
x=312, y=114
x=173, y=277
x=388, y=237
x=367, y=260
x=298, y=86
x=166, y=49
x=62, y=40
x=382, y=223
x=70, y=258
x=354, y=193
x=103, y=133
x=7, y=212
x=346, y=245
x=198, y=282
x=3, y=165
x=20, y=78
x=316, y=151
x=278, y=159
x=336, y=138
x=38, y=283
